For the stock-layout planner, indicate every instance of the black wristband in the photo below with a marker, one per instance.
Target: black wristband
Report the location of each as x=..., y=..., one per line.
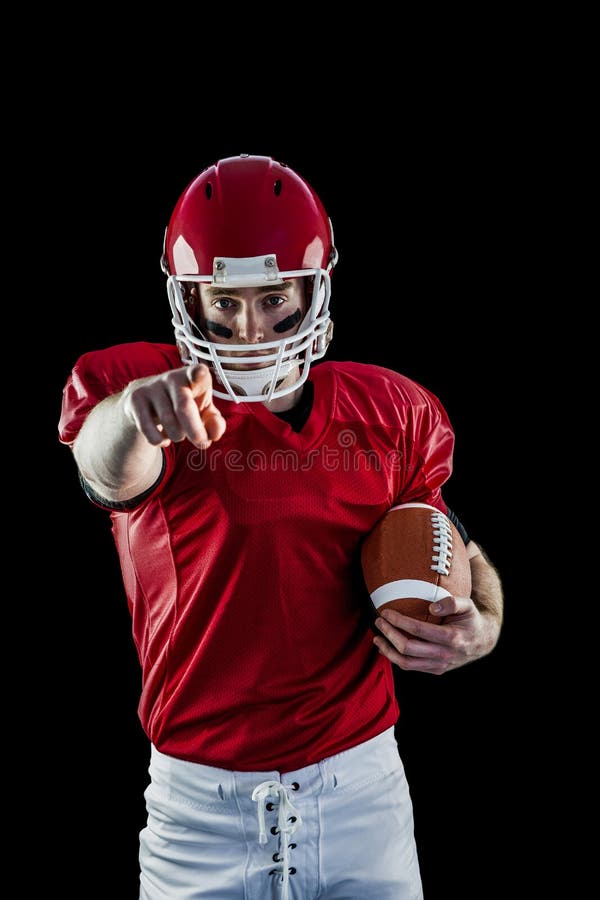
x=459, y=526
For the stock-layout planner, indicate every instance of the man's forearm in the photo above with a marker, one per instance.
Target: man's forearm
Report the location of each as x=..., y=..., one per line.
x=113, y=457
x=486, y=591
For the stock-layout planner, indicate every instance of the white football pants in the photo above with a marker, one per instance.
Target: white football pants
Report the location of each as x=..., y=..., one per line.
x=338, y=830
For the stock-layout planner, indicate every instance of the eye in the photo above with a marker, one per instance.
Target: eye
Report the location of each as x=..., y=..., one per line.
x=275, y=301
x=223, y=303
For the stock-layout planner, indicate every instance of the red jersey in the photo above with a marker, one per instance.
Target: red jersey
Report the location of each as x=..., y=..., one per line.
x=241, y=568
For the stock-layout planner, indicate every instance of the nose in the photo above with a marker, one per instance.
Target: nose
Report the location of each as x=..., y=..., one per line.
x=250, y=327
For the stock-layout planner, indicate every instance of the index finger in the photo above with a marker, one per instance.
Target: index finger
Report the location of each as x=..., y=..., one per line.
x=200, y=419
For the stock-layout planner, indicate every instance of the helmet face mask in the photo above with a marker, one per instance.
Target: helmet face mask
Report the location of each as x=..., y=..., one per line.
x=250, y=222
x=280, y=359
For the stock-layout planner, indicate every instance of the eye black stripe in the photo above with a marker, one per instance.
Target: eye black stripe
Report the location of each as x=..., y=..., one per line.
x=288, y=322
x=218, y=329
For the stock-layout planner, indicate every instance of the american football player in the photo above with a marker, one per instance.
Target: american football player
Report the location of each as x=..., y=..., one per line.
x=241, y=471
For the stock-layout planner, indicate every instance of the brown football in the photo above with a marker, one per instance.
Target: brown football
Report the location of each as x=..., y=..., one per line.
x=414, y=556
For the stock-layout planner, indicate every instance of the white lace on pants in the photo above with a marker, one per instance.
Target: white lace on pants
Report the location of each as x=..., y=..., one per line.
x=289, y=819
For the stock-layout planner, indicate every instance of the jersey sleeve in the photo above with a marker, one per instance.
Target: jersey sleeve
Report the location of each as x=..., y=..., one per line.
x=428, y=449
x=82, y=392
x=100, y=374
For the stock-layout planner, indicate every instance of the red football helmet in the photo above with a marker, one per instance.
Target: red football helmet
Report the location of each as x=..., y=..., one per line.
x=250, y=221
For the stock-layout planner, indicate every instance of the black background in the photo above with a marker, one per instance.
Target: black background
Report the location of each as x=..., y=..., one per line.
x=424, y=285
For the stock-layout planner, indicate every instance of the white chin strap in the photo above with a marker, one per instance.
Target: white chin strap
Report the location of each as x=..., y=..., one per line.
x=252, y=382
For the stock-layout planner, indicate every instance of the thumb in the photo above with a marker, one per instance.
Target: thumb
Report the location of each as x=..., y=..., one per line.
x=199, y=379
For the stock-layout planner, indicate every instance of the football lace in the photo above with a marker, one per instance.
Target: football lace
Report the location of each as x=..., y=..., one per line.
x=442, y=543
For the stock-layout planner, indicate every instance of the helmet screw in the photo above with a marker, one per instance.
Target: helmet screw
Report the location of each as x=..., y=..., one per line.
x=219, y=264
x=269, y=262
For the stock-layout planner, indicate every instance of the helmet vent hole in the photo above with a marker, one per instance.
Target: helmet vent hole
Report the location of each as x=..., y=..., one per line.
x=277, y=187
x=208, y=190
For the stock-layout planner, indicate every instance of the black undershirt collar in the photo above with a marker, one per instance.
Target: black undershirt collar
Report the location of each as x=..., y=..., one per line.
x=298, y=415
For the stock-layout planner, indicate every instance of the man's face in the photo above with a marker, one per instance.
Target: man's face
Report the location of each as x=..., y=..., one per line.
x=251, y=315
